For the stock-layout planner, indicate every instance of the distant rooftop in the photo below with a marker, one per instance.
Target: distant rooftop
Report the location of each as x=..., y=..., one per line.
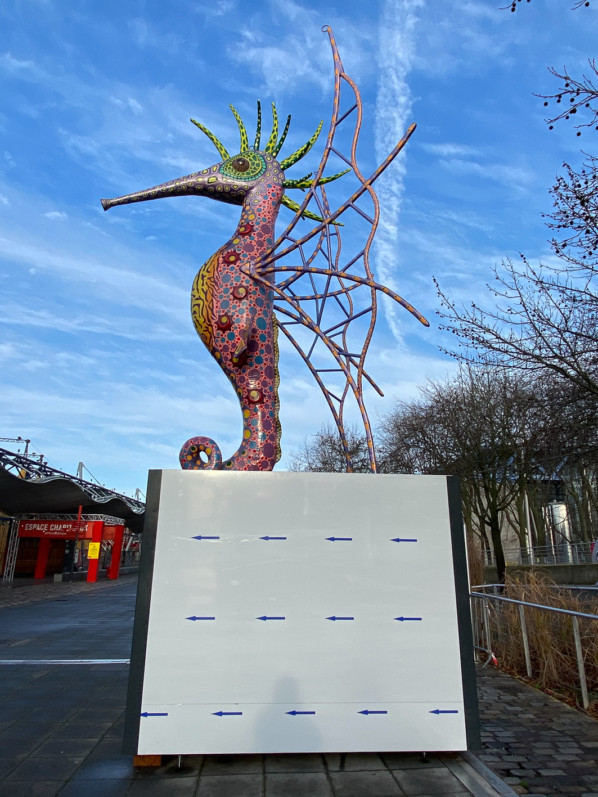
x=31, y=486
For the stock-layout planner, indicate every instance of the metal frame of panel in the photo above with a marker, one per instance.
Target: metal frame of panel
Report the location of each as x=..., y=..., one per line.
x=301, y=612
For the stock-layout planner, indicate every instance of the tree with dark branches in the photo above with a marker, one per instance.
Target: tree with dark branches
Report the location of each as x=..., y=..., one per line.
x=576, y=96
x=546, y=316
x=479, y=425
x=575, y=217
x=518, y=442
x=324, y=452
x=577, y=4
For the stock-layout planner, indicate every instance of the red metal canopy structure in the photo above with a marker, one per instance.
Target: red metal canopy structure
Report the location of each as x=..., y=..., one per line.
x=45, y=503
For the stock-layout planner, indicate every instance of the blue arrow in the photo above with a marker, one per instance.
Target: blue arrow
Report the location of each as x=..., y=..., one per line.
x=227, y=713
x=199, y=618
x=272, y=538
x=444, y=711
x=154, y=714
x=295, y=713
x=265, y=617
x=339, y=539
x=340, y=618
x=402, y=539
x=366, y=712
x=203, y=537
x=406, y=619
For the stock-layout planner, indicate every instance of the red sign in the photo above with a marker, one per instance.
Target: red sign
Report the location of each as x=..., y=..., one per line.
x=109, y=532
x=60, y=529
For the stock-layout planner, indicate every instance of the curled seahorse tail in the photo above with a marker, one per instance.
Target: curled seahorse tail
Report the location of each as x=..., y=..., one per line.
x=200, y=453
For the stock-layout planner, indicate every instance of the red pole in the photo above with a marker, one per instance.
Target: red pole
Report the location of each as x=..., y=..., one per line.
x=43, y=553
x=92, y=564
x=117, y=548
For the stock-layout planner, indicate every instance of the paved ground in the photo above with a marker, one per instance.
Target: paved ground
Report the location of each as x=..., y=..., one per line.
x=61, y=724
x=28, y=590
x=538, y=745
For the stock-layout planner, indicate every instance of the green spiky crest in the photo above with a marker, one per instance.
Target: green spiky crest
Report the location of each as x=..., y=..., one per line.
x=216, y=142
x=243, y=133
x=295, y=183
x=258, y=129
x=274, y=134
x=305, y=182
x=302, y=151
x=273, y=147
x=292, y=205
x=277, y=148
x=307, y=214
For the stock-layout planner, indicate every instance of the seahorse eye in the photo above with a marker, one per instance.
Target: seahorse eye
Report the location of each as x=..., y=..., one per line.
x=247, y=166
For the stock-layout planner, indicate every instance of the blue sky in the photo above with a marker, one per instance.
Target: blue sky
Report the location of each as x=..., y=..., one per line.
x=99, y=358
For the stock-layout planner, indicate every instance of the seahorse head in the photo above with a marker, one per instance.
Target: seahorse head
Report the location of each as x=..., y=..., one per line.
x=233, y=178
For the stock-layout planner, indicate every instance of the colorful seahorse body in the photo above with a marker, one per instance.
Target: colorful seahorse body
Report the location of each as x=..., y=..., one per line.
x=231, y=304
x=232, y=300
x=231, y=311
x=233, y=316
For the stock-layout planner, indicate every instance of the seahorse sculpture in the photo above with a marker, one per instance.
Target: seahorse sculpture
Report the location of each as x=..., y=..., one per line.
x=233, y=294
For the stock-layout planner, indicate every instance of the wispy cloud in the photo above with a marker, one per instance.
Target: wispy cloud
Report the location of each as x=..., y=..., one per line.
x=450, y=150
x=214, y=9
x=78, y=323
x=129, y=103
x=397, y=39
x=296, y=60
x=147, y=35
x=86, y=267
x=518, y=177
x=470, y=39
x=298, y=57
x=131, y=126
x=102, y=108
x=18, y=65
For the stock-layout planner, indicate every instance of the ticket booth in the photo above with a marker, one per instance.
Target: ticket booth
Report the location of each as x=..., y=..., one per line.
x=89, y=536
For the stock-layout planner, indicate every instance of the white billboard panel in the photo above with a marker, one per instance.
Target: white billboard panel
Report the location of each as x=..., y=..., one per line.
x=298, y=612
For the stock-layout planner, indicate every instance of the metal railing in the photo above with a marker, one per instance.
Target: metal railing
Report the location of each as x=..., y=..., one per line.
x=562, y=553
x=482, y=631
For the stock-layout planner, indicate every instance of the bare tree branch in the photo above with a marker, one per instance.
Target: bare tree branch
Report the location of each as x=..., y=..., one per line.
x=324, y=452
x=542, y=318
x=576, y=96
x=577, y=4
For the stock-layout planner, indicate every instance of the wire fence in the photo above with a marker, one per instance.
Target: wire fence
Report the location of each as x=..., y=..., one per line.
x=558, y=554
x=552, y=645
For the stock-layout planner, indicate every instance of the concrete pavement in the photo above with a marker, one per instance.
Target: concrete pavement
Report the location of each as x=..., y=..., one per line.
x=536, y=743
x=61, y=722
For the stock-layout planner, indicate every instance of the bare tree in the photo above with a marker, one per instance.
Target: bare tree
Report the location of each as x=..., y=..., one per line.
x=545, y=317
x=575, y=218
x=542, y=318
x=480, y=426
x=567, y=451
x=324, y=452
x=576, y=97
x=576, y=4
